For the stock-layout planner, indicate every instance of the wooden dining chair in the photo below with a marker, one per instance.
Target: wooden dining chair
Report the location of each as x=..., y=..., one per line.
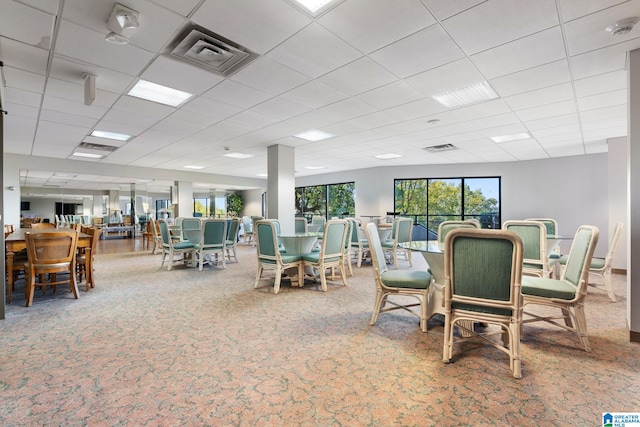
x=52, y=253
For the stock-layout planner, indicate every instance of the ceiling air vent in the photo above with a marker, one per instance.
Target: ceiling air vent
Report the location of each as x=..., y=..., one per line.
x=211, y=51
x=99, y=147
x=439, y=148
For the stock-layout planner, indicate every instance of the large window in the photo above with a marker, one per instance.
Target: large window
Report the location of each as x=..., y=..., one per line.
x=333, y=200
x=431, y=201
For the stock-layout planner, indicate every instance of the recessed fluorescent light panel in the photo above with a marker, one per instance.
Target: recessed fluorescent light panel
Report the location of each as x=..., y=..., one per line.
x=238, y=155
x=110, y=135
x=88, y=155
x=263, y=175
x=315, y=7
x=313, y=168
x=514, y=137
x=479, y=92
x=314, y=135
x=193, y=167
x=158, y=93
x=387, y=156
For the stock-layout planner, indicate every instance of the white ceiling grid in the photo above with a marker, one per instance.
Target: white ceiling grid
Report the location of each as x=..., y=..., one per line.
x=364, y=71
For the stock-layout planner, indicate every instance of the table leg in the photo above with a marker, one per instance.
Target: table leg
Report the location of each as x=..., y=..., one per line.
x=89, y=267
x=9, y=276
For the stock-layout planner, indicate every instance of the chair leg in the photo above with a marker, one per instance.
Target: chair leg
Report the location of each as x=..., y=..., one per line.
x=606, y=278
x=323, y=278
x=581, y=326
x=377, y=305
x=258, y=274
x=276, y=283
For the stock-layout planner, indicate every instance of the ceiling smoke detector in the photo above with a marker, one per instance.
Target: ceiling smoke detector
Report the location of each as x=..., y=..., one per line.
x=122, y=22
x=622, y=27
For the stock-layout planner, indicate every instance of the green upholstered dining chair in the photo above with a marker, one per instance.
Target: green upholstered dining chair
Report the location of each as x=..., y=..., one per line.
x=552, y=230
x=401, y=233
x=483, y=273
x=213, y=240
x=171, y=248
x=534, y=240
x=358, y=246
x=269, y=255
x=412, y=283
x=601, y=267
x=247, y=226
x=446, y=226
x=320, y=221
x=230, y=245
x=300, y=225
x=331, y=253
x=567, y=293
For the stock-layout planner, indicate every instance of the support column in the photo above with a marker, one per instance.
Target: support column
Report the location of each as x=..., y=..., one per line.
x=633, y=195
x=184, y=207
x=281, y=186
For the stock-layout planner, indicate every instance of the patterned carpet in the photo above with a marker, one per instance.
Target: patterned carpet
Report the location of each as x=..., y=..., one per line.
x=150, y=347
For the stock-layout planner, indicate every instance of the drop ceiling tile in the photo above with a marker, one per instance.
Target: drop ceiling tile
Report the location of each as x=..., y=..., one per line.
x=89, y=46
x=65, y=118
x=552, y=122
x=616, y=80
x=615, y=122
x=370, y=28
x=76, y=108
x=600, y=61
x=180, y=75
x=106, y=80
x=528, y=52
x=448, y=77
x=534, y=78
x=413, y=110
x=604, y=113
x=36, y=33
x=21, y=97
x=484, y=109
x=269, y=76
x=314, y=95
x=211, y=107
x=281, y=108
x=572, y=9
x=237, y=94
x=244, y=22
x=314, y=51
x=497, y=22
x=390, y=95
x=549, y=134
x=183, y=7
x=22, y=111
x=374, y=120
x=444, y=9
x=25, y=59
x=357, y=77
x=424, y=50
x=549, y=110
x=573, y=150
x=157, y=24
x=537, y=98
x=252, y=119
x=588, y=33
x=608, y=99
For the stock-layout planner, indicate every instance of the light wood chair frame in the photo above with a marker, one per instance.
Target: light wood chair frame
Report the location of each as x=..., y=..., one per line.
x=464, y=318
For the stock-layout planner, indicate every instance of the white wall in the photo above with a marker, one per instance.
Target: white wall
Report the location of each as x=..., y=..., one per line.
x=573, y=190
x=252, y=202
x=617, y=158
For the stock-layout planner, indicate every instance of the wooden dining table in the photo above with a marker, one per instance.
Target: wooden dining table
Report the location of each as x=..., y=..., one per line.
x=15, y=242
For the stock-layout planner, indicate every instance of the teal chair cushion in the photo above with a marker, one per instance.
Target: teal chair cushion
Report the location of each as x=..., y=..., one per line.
x=183, y=245
x=596, y=263
x=548, y=288
x=387, y=243
x=413, y=279
x=289, y=258
x=315, y=256
x=554, y=255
